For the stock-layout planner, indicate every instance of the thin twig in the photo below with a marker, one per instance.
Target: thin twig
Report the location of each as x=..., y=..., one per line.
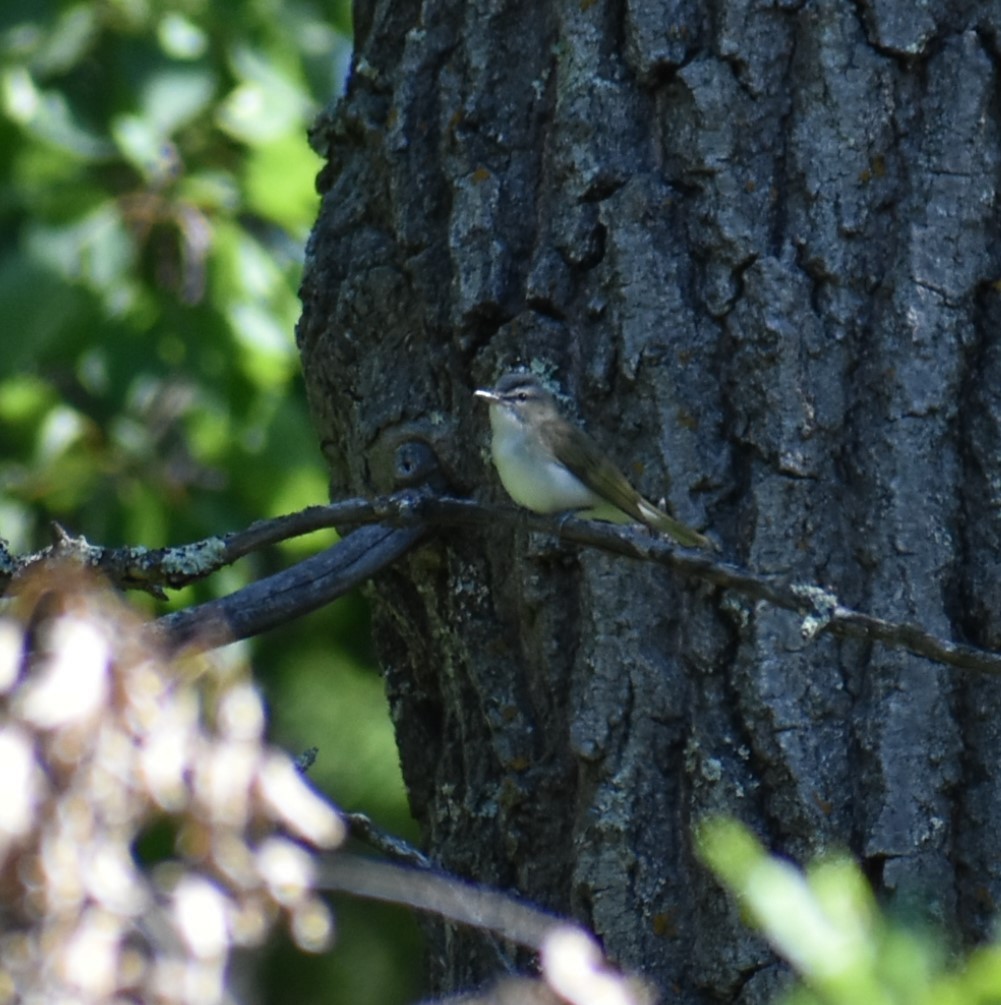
x=363, y=828
x=401, y=521
x=572, y=963
x=439, y=894
x=819, y=608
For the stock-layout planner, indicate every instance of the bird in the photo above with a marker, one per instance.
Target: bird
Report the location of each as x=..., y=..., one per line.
x=549, y=465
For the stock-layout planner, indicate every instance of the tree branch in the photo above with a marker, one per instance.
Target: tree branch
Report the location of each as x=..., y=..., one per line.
x=298, y=590
x=819, y=608
x=398, y=523
x=572, y=963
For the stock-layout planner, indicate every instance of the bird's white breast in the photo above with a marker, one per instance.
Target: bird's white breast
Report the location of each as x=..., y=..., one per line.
x=531, y=476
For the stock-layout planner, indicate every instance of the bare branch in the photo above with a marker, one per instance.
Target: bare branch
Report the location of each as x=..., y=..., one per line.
x=400, y=522
x=363, y=828
x=289, y=594
x=439, y=894
x=573, y=965
x=819, y=607
x=153, y=569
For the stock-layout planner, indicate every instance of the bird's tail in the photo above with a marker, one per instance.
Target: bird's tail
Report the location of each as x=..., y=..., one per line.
x=661, y=521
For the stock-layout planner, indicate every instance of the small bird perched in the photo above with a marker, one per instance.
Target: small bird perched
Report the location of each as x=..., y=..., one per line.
x=549, y=465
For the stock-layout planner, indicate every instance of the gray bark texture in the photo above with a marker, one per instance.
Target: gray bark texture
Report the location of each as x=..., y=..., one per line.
x=757, y=245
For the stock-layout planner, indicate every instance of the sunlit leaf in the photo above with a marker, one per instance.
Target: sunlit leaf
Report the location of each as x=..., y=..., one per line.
x=825, y=921
x=279, y=178
x=268, y=102
x=181, y=37
x=48, y=117
x=171, y=98
x=67, y=42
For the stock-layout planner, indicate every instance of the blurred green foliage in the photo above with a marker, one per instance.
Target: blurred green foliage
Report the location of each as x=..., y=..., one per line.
x=844, y=949
x=156, y=192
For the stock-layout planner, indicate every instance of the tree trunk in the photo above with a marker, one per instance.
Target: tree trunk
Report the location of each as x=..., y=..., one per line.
x=757, y=246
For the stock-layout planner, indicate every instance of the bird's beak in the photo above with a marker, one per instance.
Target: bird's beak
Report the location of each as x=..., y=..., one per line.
x=487, y=395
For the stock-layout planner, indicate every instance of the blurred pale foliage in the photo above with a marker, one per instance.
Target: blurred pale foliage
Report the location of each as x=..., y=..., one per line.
x=156, y=191
x=100, y=741
x=843, y=948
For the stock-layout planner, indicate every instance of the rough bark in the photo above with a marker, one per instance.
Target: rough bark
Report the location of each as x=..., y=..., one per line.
x=758, y=246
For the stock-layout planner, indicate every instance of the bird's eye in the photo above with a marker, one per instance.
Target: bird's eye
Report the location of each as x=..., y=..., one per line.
x=522, y=396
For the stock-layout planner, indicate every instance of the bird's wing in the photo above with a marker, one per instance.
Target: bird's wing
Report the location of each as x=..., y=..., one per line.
x=602, y=477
